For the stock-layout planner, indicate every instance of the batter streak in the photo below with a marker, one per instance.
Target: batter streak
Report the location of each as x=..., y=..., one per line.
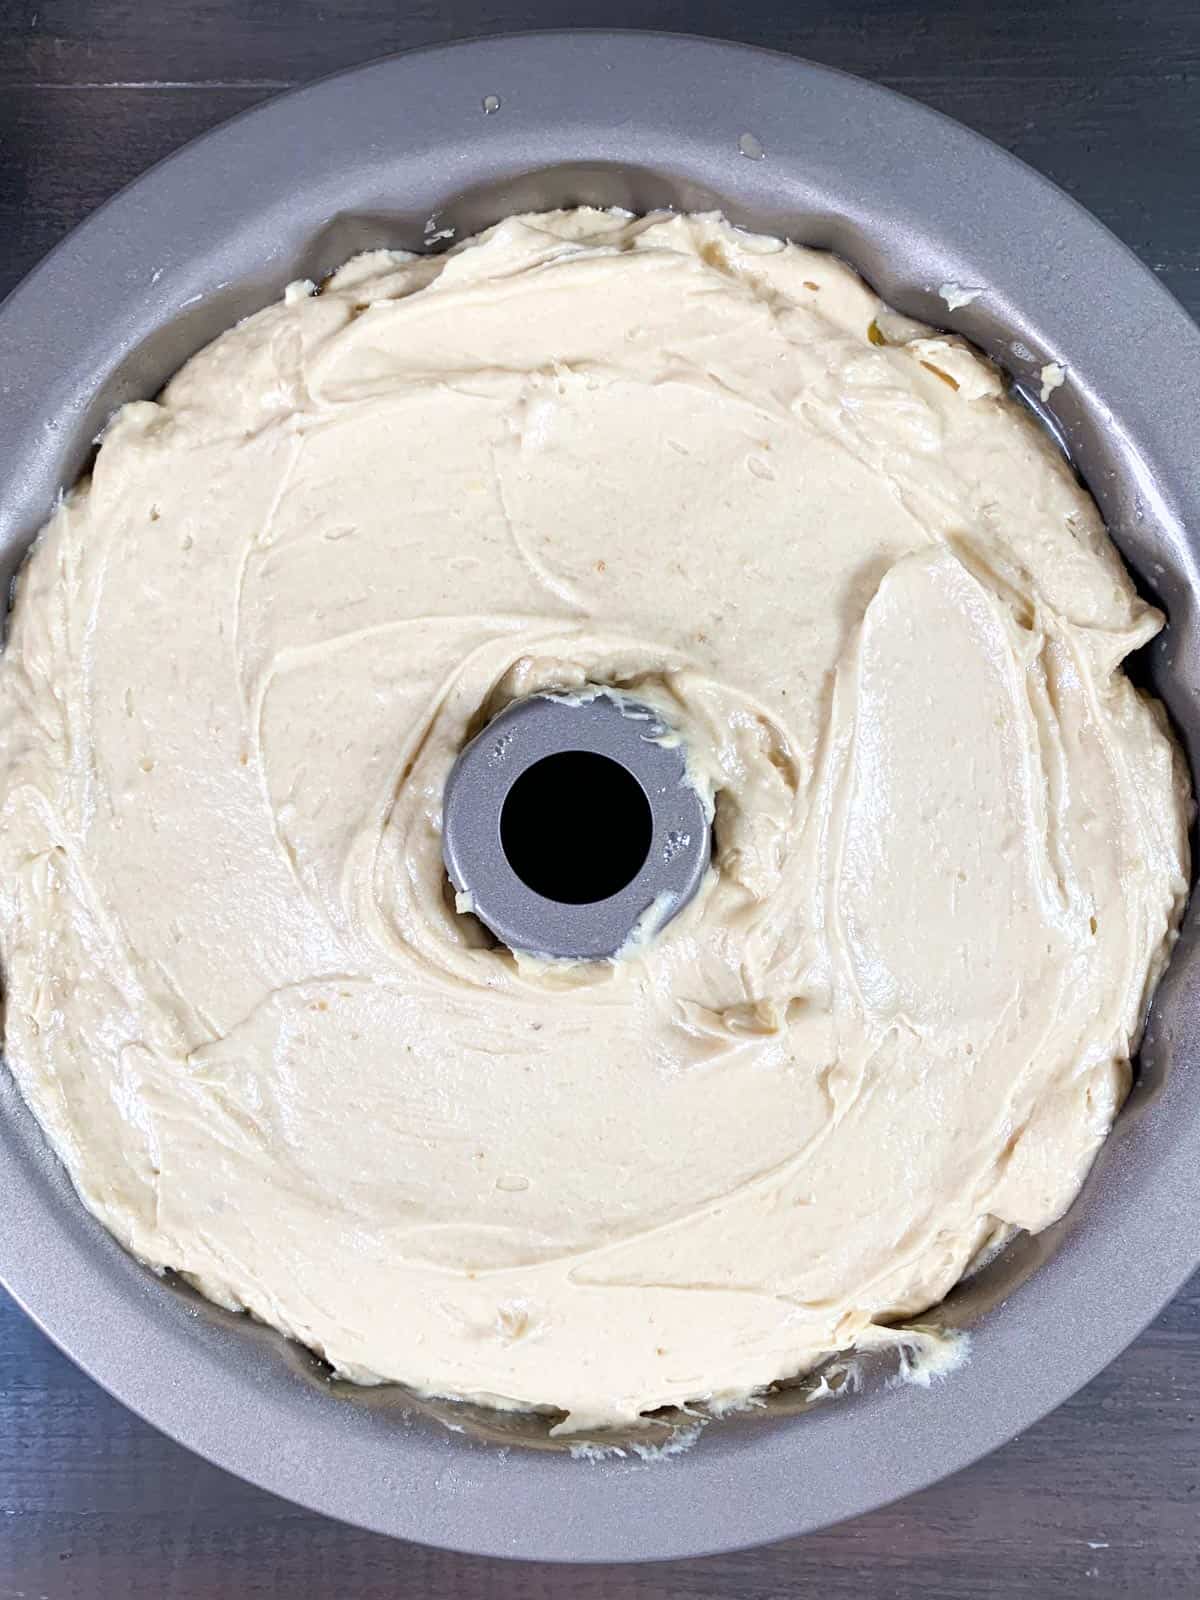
x=710, y=469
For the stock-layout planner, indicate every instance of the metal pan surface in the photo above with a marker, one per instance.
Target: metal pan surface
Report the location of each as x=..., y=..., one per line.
x=455, y=138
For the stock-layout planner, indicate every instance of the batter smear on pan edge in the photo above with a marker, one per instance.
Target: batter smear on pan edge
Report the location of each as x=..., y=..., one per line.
x=950, y=851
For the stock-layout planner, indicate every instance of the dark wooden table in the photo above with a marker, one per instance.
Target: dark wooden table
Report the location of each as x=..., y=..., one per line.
x=1100, y=1499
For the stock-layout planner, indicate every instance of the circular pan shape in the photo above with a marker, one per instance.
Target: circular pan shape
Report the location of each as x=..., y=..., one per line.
x=654, y=836
x=913, y=201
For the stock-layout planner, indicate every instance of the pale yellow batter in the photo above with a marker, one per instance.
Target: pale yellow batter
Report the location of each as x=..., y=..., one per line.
x=950, y=837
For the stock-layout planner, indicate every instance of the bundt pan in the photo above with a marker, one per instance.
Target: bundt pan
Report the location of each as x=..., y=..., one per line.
x=396, y=154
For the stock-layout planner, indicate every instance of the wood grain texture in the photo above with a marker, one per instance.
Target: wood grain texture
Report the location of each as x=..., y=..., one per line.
x=1101, y=95
x=1101, y=1499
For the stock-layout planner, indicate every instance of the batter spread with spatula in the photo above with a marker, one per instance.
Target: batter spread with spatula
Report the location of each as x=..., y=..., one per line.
x=913, y=848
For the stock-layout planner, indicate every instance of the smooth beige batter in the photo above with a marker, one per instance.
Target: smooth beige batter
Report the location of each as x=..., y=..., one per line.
x=950, y=837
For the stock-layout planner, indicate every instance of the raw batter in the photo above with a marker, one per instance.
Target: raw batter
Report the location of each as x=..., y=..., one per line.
x=950, y=837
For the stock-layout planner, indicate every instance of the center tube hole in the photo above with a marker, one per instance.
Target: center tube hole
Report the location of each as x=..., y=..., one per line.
x=576, y=827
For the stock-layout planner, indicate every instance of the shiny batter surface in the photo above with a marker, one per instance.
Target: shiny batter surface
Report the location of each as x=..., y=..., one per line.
x=950, y=836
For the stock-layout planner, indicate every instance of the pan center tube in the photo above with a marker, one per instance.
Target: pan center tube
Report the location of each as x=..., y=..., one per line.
x=572, y=827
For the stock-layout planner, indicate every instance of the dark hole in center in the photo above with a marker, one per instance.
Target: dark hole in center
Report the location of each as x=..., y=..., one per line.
x=576, y=827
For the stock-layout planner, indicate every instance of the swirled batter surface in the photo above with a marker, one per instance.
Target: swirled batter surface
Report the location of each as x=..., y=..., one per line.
x=950, y=836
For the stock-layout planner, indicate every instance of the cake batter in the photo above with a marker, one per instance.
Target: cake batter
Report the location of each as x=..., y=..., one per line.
x=710, y=470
